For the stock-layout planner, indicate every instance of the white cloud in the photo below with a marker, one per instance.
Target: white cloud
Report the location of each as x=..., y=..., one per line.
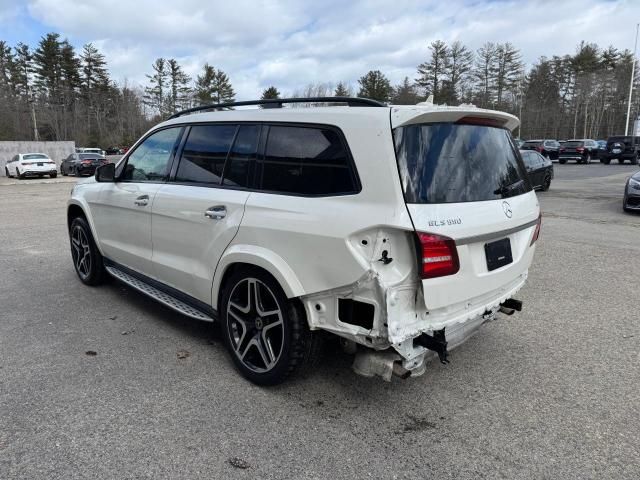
x=293, y=43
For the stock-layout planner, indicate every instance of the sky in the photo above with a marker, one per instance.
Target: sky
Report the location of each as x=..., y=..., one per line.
x=291, y=44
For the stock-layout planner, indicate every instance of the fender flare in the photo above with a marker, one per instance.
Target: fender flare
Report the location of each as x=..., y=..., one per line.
x=260, y=257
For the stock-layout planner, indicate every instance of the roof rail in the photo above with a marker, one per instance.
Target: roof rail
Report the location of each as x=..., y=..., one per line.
x=278, y=102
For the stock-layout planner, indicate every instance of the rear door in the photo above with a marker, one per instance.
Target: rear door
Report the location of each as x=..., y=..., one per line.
x=198, y=213
x=465, y=183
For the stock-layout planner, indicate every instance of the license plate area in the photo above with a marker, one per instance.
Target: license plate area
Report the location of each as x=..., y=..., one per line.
x=40, y=164
x=498, y=253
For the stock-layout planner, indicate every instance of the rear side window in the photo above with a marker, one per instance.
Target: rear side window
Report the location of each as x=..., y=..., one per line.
x=450, y=163
x=305, y=161
x=204, y=153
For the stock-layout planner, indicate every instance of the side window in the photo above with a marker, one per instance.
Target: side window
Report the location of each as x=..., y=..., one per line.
x=529, y=159
x=204, y=153
x=237, y=170
x=305, y=160
x=150, y=160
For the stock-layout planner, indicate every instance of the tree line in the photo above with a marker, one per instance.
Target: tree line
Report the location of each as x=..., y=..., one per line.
x=53, y=92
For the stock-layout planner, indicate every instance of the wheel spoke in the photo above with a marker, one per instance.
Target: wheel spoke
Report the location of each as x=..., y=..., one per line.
x=264, y=355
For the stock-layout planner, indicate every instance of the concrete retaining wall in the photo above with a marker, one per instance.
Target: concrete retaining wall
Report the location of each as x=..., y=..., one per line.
x=57, y=151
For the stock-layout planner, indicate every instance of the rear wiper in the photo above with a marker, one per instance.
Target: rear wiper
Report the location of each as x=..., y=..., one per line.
x=505, y=190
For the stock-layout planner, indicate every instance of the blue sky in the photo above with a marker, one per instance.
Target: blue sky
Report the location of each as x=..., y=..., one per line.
x=293, y=43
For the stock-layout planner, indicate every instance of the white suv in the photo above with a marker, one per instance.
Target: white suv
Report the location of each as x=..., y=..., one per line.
x=399, y=229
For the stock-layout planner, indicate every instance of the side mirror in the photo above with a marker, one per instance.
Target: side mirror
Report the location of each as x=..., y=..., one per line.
x=106, y=173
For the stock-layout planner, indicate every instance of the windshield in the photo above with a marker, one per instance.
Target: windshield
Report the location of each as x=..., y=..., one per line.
x=449, y=163
x=35, y=156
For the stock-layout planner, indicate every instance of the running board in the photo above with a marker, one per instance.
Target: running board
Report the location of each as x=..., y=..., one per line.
x=158, y=295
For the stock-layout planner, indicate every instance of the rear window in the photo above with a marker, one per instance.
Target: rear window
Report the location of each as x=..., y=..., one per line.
x=531, y=144
x=34, y=156
x=620, y=140
x=450, y=163
x=572, y=144
x=85, y=156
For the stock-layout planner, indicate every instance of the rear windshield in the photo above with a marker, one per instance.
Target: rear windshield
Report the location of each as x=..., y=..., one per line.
x=35, y=156
x=531, y=144
x=86, y=156
x=572, y=144
x=449, y=163
x=620, y=139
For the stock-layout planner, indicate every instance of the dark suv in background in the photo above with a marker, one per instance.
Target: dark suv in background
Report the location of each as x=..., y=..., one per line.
x=547, y=148
x=580, y=150
x=621, y=148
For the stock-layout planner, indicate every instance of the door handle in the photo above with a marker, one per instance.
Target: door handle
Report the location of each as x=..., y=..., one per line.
x=142, y=200
x=216, y=213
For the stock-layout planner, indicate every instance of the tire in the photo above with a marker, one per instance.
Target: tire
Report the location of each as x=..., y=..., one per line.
x=254, y=306
x=87, y=259
x=19, y=175
x=562, y=161
x=587, y=159
x=6, y=172
x=62, y=172
x=546, y=183
x=53, y=175
x=621, y=161
x=634, y=160
x=606, y=161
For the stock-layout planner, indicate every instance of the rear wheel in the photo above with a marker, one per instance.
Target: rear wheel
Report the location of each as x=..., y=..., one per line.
x=19, y=175
x=87, y=259
x=266, y=334
x=64, y=174
x=634, y=159
x=562, y=161
x=53, y=175
x=546, y=183
x=587, y=159
x=621, y=161
x=606, y=161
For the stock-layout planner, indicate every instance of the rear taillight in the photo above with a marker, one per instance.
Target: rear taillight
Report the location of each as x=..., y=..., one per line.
x=536, y=232
x=580, y=149
x=561, y=150
x=86, y=162
x=437, y=255
x=538, y=149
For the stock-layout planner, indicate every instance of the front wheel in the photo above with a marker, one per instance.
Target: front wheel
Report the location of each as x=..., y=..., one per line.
x=87, y=259
x=266, y=334
x=6, y=172
x=546, y=183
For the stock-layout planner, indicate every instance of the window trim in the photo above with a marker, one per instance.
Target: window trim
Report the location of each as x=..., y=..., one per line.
x=122, y=165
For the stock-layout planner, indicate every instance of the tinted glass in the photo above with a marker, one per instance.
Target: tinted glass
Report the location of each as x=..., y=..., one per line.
x=86, y=156
x=308, y=161
x=204, y=153
x=446, y=163
x=572, y=144
x=33, y=156
x=150, y=160
x=530, y=158
x=243, y=152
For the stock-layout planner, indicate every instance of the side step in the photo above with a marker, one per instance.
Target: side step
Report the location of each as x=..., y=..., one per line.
x=158, y=295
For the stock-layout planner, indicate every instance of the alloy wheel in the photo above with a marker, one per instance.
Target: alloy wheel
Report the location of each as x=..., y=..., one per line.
x=255, y=324
x=81, y=252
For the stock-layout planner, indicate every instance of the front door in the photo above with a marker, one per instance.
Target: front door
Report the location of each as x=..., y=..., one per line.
x=122, y=211
x=198, y=213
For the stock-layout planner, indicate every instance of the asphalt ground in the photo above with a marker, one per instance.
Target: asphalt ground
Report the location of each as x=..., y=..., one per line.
x=551, y=392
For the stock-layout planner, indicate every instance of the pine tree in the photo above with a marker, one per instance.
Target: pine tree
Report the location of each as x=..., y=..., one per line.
x=156, y=93
x=458, y=66
x=46, y=62
x=508, y=70
x=22, y=69
x=178, y=86
x=94, y=68
x=405, y=93
x=375, y=85
x=483, y=73
x=433, y=71
x=342, y=90
x=213, y=86
x=270, y=93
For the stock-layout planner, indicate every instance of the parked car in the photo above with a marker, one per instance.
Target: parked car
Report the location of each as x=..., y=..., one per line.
x=97, y=151
x=547, y=148
x=399, y=229
x=631, y=201
x=79, y=164
x=30, y=165
x=580, y=150
x=539, y=169
x=621, y=148
x=113, y=151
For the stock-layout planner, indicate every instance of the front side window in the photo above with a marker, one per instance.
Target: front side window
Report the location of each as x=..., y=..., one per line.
x=150, y=161
x=204, y=154
x=305, y=161
x=451, y=163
